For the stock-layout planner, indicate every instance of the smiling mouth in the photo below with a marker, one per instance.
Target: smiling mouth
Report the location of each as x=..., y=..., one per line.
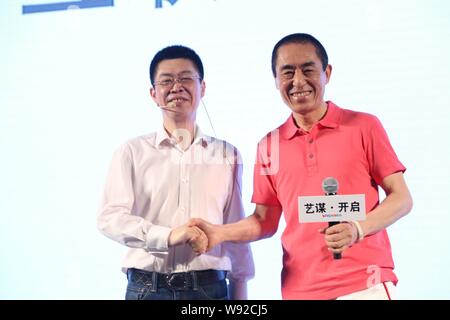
x=175, y=102
x=301, y=94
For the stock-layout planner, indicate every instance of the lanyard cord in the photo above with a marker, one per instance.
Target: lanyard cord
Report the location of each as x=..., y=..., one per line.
x=215, y=136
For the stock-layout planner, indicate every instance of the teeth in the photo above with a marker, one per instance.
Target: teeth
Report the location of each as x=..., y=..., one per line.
x=301, y=94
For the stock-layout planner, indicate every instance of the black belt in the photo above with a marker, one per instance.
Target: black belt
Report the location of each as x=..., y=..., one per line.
x=177, y=280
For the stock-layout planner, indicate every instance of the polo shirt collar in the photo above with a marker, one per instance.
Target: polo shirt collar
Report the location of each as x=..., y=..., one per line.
x=332, y=117
x=331, y=120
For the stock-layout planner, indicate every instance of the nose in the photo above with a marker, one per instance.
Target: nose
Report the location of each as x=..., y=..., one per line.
x=299, y=79
x=176, y=87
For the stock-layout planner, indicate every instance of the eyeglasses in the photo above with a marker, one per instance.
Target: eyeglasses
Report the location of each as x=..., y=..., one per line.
x=183, y=80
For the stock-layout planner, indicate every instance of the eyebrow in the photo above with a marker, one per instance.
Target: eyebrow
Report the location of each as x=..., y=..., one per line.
x=308, y=64
x=180, y=73
x=304, y=65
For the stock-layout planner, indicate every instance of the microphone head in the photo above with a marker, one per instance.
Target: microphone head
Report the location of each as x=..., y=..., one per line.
x=330, y=185
x=170, y=106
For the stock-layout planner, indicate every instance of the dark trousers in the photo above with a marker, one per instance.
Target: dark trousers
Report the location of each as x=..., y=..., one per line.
x=194, y=285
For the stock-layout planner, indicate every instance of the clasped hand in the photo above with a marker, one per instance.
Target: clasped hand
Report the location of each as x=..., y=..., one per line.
x=190, y=234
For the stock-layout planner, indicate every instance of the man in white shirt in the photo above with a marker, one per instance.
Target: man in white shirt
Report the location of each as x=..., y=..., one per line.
x=158, y=182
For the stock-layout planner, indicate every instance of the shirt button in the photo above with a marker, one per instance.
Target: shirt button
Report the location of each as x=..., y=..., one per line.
x=311, y=156
x=310, y=140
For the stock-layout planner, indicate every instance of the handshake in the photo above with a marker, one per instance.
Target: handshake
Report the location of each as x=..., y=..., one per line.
x=198, y=233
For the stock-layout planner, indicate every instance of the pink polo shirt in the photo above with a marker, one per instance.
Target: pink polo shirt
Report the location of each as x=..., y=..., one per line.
x=353, y=148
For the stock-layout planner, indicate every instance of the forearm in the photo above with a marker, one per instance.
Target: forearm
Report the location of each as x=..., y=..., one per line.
x=133, y=231
x=245, y=230
x=249, y=229
x=262, y=223
x=394, y=206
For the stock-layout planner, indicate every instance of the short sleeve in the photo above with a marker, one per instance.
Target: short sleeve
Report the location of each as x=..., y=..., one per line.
x=382, y=159
x=264, y=174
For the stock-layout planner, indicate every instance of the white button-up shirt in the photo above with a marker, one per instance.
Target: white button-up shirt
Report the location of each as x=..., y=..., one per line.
x=154, y=186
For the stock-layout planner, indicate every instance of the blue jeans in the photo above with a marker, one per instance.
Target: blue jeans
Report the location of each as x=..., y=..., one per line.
x=146, y=290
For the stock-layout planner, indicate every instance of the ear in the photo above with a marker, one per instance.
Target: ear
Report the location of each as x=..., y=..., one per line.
x=277, y=85
x=328, y=70
x=203, y=88
x=153, y=94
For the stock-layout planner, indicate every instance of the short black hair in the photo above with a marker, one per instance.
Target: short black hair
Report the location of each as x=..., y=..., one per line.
x=300, y=38
x=175, y=52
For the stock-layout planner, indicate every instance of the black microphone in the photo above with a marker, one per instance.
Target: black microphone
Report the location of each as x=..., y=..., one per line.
x=330, y=187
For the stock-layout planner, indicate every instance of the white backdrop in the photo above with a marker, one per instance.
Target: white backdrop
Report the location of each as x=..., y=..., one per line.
x=74, y=86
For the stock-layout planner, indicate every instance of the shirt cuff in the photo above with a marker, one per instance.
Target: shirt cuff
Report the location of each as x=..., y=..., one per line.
x=158, y=239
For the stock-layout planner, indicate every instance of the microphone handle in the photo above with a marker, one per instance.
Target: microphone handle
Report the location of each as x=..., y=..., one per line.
x=336, y=256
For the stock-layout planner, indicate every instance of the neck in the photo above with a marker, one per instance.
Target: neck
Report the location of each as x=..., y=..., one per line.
x=308, y=119
x=182, y=131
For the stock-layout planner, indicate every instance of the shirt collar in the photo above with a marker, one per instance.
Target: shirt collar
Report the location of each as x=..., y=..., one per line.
x=163, y=138
x=332, y=117
x=331, y=120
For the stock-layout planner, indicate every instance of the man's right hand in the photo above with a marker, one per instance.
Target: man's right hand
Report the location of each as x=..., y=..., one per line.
x=193, y=235
x=212, y=232
x=263, y=223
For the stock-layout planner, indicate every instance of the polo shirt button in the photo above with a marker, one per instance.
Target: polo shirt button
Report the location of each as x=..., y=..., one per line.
x=310, y=140
x=311, y=156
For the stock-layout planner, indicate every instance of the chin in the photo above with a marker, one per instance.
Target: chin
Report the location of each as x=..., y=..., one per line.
x=300, y=106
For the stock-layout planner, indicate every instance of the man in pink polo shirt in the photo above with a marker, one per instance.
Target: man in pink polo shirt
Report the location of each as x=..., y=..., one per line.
x=318, y=140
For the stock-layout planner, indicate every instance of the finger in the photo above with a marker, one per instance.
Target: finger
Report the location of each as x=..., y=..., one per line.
x=197, y=251
x=345, y=236
x=341, y=227
x=199, y=244
x=194, y=231
x=332, y=230
x=338, y=244
x=333, y=237
x=193, y=222
x=199, y=231
x=203, y=241
x=193, y=240
x=333, y=245
x=198, y=235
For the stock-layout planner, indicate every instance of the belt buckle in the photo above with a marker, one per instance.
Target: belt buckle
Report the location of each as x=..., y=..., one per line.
x=177, y=281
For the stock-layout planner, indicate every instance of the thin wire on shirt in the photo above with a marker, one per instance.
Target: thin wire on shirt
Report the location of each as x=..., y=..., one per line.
x=215, y=136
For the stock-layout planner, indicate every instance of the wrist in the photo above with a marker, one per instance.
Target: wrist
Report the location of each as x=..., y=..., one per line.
x=177, y=236
x=171, y=239
x=359, y=231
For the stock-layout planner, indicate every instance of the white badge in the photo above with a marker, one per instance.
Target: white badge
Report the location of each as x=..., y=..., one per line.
x=351, y=207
